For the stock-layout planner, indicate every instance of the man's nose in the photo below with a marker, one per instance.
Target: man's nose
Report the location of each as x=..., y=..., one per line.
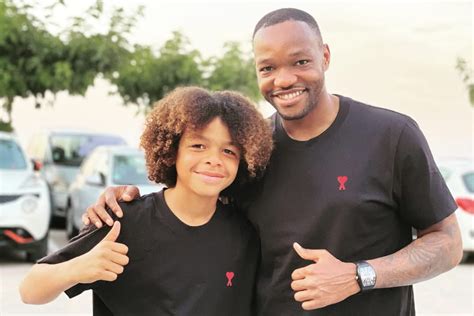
x=284, y=78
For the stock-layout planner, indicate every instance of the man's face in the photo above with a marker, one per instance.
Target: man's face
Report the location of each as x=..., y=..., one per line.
x=290, y=62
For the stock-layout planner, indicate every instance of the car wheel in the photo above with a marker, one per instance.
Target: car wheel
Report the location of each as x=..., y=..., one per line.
x=40, y=251
x=465, y=256
x=71, y=229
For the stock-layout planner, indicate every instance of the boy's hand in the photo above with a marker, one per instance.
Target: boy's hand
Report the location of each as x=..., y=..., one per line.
x=103, y=262
x=97, y=214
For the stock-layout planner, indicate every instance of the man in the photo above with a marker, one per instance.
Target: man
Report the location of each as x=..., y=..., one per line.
x=347, y=181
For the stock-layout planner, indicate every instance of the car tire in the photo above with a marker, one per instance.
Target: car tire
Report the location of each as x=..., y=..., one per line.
x=40, y=251
x=465, y=256
x=71, y=229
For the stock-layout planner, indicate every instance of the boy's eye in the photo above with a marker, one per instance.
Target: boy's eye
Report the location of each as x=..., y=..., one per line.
x=229, y=152
x=302, y=62
x=198, y=146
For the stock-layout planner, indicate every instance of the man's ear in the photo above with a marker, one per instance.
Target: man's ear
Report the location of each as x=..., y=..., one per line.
x=326, y=56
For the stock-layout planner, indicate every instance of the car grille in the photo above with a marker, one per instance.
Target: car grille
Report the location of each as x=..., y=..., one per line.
x=13, y=197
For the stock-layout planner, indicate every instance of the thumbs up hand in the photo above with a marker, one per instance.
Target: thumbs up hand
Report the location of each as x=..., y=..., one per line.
x=103, y=262
x=325, y=281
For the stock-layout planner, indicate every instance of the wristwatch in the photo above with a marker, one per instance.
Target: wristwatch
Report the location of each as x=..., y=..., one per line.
x=365, y=276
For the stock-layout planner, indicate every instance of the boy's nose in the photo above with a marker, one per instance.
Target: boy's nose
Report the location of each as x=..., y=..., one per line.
x=214, y=158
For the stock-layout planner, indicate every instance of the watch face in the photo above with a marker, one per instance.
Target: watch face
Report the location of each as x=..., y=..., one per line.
x=367, y=275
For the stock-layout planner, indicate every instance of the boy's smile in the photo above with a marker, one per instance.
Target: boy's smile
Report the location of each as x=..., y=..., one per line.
x=207, y=160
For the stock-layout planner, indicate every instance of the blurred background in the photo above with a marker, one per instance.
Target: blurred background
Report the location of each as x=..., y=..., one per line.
x=80, y=73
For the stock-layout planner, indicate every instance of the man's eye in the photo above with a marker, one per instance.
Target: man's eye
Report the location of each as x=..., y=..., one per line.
x=266, y=69
x=302, y=62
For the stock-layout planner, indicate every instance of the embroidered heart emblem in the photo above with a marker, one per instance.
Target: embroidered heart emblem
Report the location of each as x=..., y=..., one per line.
x=342, y=181
x=230, y=276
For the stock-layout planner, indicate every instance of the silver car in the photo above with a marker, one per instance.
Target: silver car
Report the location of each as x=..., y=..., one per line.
x=60, y=152
x=459, y=176
x=105, y=166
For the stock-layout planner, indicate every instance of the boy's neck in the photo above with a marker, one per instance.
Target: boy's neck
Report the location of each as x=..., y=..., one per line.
x=191, y=209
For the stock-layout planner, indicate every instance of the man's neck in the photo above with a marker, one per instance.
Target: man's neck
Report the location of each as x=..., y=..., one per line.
x=191, y=209
x=315, y=122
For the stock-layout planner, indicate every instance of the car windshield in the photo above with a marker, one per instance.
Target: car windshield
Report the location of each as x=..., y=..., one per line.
x=468, y=180
x=129, y=169
x=70, y=150
x=11, y=156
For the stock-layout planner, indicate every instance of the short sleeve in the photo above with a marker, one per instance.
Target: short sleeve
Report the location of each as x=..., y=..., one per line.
x=422, y=193
x=79, y=245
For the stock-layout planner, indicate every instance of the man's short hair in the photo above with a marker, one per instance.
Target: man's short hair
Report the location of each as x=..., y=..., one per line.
x=287, y=14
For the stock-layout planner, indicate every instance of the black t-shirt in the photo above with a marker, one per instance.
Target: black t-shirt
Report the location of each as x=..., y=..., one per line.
x=356, y=190
x=174, y=269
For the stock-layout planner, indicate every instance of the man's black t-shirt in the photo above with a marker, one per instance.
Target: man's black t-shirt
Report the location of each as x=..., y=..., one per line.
x=174, y=269
x=356, y=190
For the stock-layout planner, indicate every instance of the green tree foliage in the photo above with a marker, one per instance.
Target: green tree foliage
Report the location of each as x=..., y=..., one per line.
x=234, y=70
x=33, y=61
x=145, y=77
x=466, y=73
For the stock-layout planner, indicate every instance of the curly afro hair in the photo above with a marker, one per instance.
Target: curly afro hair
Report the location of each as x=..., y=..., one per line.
x=193, y=108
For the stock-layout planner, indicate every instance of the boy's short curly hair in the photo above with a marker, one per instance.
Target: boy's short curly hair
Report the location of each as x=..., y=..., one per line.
x=193, y=108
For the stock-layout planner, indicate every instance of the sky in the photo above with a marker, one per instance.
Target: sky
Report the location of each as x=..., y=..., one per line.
x=397, y=55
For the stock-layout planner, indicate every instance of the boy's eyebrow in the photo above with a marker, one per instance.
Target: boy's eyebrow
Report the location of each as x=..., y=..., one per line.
x=200, y=136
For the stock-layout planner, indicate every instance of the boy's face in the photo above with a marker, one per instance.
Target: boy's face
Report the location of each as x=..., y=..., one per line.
x=207, y=160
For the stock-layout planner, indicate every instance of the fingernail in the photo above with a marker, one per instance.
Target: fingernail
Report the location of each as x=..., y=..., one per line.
x=127, y=197
x=86, y=222
x=119, y=214
x=110, y=222
x=98, y=224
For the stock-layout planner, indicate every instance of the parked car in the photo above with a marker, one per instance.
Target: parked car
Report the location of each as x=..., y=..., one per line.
x=106, y=166
x=25, y=209
x=459, y=176
x=61, y=152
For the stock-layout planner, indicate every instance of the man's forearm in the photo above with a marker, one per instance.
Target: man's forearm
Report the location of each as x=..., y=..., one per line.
x=437, y=250
x=45, y=282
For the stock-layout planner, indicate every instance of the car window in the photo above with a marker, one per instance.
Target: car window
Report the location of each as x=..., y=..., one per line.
x=71, y=149
x=87, y=168
x=129, y=169
x=468, y=179
x=11, y=156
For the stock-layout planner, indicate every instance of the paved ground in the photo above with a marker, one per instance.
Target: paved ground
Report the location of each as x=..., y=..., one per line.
x=449, y=294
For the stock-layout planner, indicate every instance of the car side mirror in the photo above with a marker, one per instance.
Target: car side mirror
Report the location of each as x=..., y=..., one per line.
x=96, y=179
x=37, y=165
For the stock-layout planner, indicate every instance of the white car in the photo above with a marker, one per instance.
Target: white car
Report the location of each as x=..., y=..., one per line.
x=459, y=176
x=105, y=166
x=25, y=208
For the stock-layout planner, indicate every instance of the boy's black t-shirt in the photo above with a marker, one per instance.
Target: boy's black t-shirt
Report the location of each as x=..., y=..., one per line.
x=174, y=269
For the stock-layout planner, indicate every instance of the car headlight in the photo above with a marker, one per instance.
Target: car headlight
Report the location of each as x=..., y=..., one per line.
x=32, y=181
x=29, y=204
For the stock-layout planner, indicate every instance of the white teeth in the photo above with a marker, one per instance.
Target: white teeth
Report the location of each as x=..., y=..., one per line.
x=290, y=95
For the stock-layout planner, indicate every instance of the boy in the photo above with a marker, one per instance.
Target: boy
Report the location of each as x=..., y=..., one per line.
x=179, y=251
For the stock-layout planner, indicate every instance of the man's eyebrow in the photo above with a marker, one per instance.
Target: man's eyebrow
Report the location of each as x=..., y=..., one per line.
x=295, y=53
x=263, y=61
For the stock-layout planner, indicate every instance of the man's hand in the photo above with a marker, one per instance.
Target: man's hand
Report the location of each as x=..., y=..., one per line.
x=103, y=262
x=97, y=214
x=326, y=281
